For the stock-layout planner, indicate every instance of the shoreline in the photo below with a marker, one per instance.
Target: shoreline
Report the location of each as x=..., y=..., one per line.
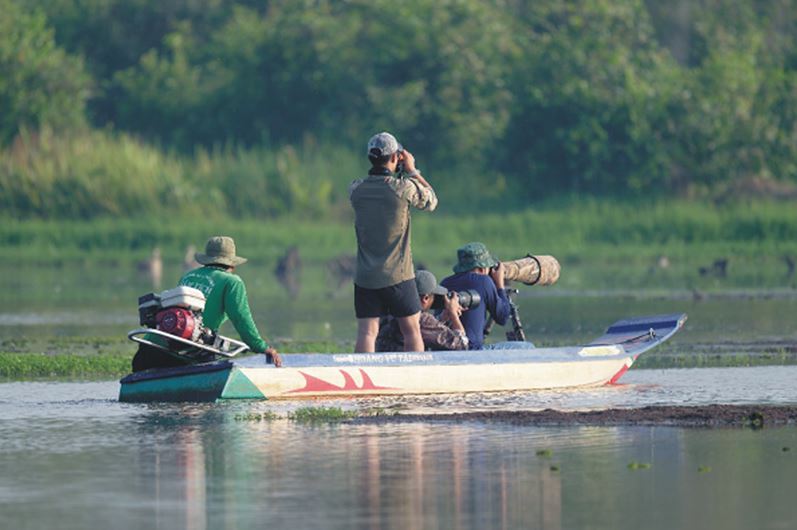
x=705, y=416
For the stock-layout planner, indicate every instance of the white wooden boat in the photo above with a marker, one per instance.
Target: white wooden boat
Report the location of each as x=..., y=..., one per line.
x=505, y=366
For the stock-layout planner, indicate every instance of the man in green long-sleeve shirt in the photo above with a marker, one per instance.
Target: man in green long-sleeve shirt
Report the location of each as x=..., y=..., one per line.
x=225, y=297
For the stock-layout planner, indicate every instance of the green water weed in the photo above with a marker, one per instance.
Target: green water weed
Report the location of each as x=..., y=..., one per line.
x=257, y=416
x=16, y=366
x=321, y=415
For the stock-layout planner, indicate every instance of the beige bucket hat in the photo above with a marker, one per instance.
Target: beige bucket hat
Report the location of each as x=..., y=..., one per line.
x=220, y=250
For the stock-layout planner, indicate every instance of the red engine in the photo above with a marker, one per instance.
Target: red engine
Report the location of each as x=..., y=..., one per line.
x=177, y=321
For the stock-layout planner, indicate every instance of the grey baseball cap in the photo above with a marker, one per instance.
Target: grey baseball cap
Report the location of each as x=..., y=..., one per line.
x=427, y=284
x=383, y=144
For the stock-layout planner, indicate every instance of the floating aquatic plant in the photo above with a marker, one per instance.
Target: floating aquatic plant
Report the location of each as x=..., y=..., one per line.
x=755, y=420
x=639, y=465
x=257, y=416
x=544, y=453
x=320, y=414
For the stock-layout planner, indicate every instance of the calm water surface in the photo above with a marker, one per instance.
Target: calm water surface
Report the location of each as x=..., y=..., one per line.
x=73, y=457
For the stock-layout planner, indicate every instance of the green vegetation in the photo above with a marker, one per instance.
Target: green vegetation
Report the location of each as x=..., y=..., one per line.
x=634, y=465
x=755, y=420
x=257, y=416
x=260, y=110
x=583, y=229
x=544, y=453
x=321, y=415
x=91, y=174
x=22, y=366
x=697, y=360
x=316, y=415
x=100, y=357
x=40, y=83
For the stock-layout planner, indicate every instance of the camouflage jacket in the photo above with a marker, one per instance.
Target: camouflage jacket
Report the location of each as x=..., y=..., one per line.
x=436, y=335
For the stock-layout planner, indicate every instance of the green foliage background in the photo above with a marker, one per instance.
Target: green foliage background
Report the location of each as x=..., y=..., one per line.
x=262, y=108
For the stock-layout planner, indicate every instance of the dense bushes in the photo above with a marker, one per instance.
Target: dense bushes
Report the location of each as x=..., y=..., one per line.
x=516, y=99
x=94, y=174
x=39, y=83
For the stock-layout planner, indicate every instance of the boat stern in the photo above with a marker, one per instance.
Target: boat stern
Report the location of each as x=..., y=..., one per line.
x=206, y=382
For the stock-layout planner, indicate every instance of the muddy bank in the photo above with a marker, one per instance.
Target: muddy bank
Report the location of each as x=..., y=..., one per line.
x=753, y=416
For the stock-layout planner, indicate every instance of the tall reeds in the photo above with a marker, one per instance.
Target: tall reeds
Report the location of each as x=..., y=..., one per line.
x=91, y=174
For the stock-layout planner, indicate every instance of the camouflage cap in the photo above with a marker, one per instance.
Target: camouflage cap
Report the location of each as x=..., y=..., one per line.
x=220, y=250
x=427, y=284
x=383, y=144
x=473, y=255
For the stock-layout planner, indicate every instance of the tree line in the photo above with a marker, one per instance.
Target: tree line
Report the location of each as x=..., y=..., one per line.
x=518, y=99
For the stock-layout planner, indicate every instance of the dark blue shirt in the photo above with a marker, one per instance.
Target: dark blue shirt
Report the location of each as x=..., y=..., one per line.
x=493, y=300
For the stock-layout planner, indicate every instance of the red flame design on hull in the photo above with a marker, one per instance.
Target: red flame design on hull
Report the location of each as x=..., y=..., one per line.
x=315, y=384
x=618, y=375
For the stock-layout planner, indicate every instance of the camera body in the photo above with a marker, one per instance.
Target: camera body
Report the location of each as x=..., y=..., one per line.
x=400, y=165
x=468, y=299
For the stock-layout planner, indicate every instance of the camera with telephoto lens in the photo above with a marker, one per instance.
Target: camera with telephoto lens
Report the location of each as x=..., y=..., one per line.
x=468, y=299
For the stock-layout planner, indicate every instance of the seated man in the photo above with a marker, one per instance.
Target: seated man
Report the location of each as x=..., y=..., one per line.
x=447, y=333
x=477, y=269
x=225, y=297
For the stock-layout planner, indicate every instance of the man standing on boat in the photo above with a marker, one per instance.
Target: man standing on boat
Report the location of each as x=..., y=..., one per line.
x=225, y=297
x=384, y=281
x=477, y=269
x=447, y=333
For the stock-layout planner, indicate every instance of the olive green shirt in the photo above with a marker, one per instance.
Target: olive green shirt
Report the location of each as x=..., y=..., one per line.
x=381, y=205
x=225, y=295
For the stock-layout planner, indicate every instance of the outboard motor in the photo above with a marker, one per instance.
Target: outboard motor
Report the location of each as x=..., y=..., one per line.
x=181, y=313
x=177, y=321
x=176, y=315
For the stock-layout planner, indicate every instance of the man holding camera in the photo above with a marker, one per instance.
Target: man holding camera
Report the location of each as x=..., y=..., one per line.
x=445, y=333
x=476, y=269
x=384, y=281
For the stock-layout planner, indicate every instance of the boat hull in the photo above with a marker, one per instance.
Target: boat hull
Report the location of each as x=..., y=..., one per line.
x=505, y=367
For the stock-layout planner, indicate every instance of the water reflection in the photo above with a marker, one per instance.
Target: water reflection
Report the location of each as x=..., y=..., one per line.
x=73, y=461
x=424, y=476
x=215, y=472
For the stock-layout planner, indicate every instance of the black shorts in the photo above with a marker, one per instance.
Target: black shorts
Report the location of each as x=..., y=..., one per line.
x=400, y=300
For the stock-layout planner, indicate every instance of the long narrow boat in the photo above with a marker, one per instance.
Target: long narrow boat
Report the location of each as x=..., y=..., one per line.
x=505, y=366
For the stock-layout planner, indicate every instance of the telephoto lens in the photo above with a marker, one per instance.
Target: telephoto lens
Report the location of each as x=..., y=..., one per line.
x=468, y=299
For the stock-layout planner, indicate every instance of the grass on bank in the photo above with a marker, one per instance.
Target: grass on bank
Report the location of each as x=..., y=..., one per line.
x=577, y=232
x=98, y=358
x=27, y=366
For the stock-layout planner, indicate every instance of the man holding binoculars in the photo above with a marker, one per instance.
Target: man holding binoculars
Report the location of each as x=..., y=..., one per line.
x=384, y=281
x=445, y=333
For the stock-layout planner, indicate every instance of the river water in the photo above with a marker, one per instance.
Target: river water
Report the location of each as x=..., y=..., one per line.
x=73, y=457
